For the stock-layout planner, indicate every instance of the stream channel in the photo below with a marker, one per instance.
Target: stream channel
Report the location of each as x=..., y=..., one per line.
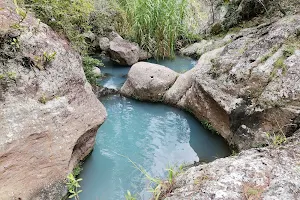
x=152, y=135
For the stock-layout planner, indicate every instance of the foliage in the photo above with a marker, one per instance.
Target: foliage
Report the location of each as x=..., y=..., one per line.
x=16, y=43
x=73, y=186
x=88, y=65
x=77, y=170
x=155, y=25
x=129, y=196
x=42, y=61
x=69, y=17
x=48, y=57
x=207, y=125
x=157, y=186
x=276, y=139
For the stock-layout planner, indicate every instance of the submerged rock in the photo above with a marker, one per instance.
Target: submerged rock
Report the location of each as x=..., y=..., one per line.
x=245, y=88
x=47, y=122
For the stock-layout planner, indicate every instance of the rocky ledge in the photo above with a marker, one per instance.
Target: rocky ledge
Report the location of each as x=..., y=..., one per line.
x=245, y=88
x=48, y=113
x=265, y=173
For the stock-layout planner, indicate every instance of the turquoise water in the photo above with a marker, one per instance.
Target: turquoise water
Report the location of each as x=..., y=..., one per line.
x=154, y=136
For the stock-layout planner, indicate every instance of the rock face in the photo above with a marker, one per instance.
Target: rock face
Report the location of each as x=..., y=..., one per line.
x=246, y=88
x=147, y=81
x=48, y=113
x=123, y=51
x=267, y=173
x=215, y=16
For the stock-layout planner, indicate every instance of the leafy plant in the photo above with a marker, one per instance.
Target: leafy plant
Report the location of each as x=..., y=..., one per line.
x=207, y=125
x=73, y=186
x=276, y=139
x=68, y=17
x=88, y=65
x=16, y=43
x=48, y=57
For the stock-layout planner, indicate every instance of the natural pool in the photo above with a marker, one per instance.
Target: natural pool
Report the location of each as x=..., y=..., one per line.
x=154, y=136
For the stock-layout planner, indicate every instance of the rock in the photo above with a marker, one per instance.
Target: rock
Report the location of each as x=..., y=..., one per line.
x=147, y=81
x=123, y=51
x=89, y=36
x=114, y=35
x=144, y=55
x=245, y=87
x=104, y=91
x=47, y=122
x=104, y=43
x=198, y=49
x=206, y=17
x=265, y=173
x=97, y=71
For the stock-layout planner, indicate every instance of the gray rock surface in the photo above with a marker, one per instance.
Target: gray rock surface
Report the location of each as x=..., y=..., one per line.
x=264, y=173
x=104, y=43
x=97, y=71
x=147, y=81
x=47, y=123
x=123, y=51
x=246, y=88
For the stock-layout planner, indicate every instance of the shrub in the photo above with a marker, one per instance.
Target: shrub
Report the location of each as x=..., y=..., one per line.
x=69, y=17
x=155, y=25
x=88, y=65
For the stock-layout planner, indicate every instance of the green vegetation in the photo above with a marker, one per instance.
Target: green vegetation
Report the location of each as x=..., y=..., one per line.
x=73, y=186
x=88, y=65
x=267, y=56
x=42, y=61
x=15, y=42
x=207, y=125
x=154, y=24
x=43, y=99
x=157, y=186
x=68, y=17
x=77, y=170
x=276, y=139
x=129, y=196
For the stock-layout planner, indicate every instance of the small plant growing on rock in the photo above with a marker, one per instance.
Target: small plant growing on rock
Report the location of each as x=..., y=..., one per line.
x=207, y=125
x=48, y=57
x=276, y=139
x=43, y=99
x=73, y=186
x=16, y=43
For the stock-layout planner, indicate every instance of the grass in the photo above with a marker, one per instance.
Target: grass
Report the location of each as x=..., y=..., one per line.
x=157, y=186
x=207, y=125
x=155, y=25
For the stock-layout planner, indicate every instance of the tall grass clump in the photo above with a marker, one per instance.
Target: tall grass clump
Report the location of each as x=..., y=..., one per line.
x=155, y=25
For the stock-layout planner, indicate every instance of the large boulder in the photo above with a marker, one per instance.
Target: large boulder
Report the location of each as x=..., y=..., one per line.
x=49, y=115
x=266, y=173
x=147, y=81
x=123, y=51
x=247, y=88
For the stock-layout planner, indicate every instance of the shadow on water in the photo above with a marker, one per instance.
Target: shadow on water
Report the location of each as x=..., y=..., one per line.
x=153, y=135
